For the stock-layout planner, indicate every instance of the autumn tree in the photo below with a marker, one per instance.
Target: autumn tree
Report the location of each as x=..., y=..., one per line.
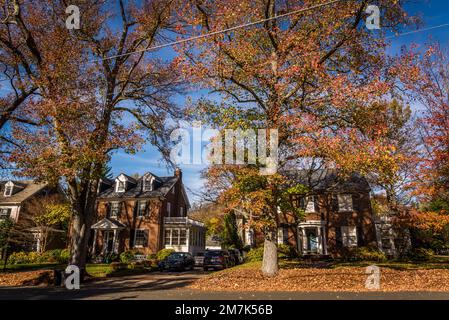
x=309, y=69
x=430, y=89
x=48, y=217
x=102, y=91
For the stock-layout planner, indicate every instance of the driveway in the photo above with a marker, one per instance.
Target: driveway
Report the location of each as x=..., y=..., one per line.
x=173, y=286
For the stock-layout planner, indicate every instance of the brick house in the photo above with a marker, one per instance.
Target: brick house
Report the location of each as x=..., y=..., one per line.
x=338, y=216
x=146, y=214
x=16, y=198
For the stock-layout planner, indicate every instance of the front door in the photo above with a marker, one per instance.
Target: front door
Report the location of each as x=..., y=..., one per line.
x=312, y=240
x=108, y=242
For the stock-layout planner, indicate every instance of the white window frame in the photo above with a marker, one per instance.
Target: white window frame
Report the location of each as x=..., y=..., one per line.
x=310, y=205
x=112, y=209
x=9, y=188
x=280, y=235
x=118, y=188
x=140, y=212
x=178, y=238
x=148, y=182
x=168, y=209
x=345, y=203
x=145, y=231
x=349, y=236
x=4, y=216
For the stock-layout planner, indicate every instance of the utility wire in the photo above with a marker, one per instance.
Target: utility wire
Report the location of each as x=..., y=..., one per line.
x=221, y=31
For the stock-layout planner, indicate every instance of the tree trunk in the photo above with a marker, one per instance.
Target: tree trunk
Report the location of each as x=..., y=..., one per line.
x=5, y=258
x=80, y=230
x=270, y=266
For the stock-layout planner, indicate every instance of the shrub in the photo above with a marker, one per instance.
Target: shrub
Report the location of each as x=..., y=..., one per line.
x=369, y=254
x=51, y=256
x=255, y=254
x=421, y=254
x=286, y=251
x=136, y=265
x=127, y=256
x=115, y=266
x=19, y=258
x=64, y=256
x=164, y=253
x=152, y=256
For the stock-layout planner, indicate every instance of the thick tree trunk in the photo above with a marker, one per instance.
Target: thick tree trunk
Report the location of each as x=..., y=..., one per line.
x=270, y=266
x=82, y=219
x=80, y=229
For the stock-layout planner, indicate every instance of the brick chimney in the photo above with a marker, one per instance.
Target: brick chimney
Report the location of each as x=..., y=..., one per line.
x=178, y=173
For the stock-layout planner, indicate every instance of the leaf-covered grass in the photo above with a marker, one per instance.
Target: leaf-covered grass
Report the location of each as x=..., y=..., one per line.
x=437, y=262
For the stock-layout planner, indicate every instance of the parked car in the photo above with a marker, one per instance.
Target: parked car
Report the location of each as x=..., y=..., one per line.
x=199, y=259
x=236, y=255
x=177, y=261
x=217, y=259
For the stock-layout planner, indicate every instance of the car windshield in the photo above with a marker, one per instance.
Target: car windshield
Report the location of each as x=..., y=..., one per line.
x=175, y=256
x=213, y=253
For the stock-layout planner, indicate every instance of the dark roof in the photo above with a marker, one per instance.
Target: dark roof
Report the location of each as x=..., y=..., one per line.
x=160, y=189
x=29, y=188
x=329, y=180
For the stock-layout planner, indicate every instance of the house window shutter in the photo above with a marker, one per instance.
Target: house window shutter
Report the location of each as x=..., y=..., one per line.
x=136, y=207
x=338, y=238
x=334, y=203
x=131, y=238
x=108, y=210
x=145, y=242
x=360, y=237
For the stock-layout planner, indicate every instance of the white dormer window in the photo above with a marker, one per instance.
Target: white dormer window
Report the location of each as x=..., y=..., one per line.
x=8, y=189
x=148, y=183
x=310, y=204
x=121, y=186
x=345, y=202
x=181, y=211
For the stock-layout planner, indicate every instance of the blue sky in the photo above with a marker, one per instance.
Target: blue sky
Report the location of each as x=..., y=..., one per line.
x=433, y=12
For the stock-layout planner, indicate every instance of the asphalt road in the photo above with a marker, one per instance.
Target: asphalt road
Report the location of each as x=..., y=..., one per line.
x=172, y=286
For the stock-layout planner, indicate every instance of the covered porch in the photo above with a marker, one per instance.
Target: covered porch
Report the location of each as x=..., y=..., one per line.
x=312, y=238
x=184, y=235
x=106, y=237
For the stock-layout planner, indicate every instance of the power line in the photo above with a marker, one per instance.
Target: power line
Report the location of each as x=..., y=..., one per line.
x=221, y=31
x=418, y=31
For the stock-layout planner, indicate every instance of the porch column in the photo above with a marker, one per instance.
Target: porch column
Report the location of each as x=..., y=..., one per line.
x=320, y=240
x=94, y=242
x=304, y=240
x=115, y=242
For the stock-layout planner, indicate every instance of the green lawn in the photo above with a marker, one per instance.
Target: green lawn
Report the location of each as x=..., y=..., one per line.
x=31, y=267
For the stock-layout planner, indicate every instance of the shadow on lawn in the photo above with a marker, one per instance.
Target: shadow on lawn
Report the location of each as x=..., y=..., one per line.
x=133, y=285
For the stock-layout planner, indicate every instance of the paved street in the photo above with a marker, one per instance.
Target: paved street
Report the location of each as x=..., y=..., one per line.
x=161, y=286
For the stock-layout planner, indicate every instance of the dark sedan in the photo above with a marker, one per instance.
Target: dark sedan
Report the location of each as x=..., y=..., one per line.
x=179, y=261
x=217, y=259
